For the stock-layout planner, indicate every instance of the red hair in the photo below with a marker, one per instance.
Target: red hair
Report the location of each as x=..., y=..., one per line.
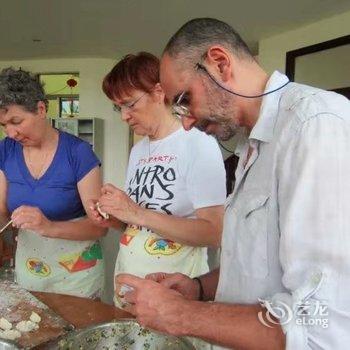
x=139, y=72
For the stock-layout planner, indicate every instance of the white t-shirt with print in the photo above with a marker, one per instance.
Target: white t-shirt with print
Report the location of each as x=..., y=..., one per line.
x=175, y=175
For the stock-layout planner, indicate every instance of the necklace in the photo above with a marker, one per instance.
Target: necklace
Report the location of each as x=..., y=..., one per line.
x=36, y=173
x=161, y=141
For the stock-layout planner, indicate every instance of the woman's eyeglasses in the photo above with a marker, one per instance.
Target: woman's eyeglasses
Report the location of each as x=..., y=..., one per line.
x=128, y=105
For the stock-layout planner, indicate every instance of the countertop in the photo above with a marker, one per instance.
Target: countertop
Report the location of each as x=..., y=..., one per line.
x=81, y=312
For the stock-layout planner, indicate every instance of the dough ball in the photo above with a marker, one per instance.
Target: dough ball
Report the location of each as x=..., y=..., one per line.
x=34, y=317
x=4, y=324
x=26, y=326
x=102, y=213
x=10, y=334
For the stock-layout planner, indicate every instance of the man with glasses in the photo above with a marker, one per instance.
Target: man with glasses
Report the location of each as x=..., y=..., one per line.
x=285, y=264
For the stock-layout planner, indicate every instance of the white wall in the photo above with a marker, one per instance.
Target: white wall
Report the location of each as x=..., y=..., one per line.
x=93, y=103
x=272, y=50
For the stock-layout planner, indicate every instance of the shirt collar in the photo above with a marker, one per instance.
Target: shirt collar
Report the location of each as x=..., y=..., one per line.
x=241, y=142
x=264, y=127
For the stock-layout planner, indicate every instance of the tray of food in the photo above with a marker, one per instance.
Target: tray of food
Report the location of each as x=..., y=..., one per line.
x=119, y=335
x=25, y=321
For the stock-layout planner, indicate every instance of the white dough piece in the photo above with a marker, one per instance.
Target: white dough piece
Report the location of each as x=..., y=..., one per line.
x=4, y=324
x=125, y=288
x=26, y=326
x=102, y=213
x=34, y=317
x=10, y=334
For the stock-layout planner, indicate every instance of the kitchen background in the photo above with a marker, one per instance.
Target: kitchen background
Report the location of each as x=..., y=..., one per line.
x=85, y=39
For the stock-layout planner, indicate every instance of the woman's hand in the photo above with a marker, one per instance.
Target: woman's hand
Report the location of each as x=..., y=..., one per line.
x=117, y=203
x=31, y=218
x=97, y=218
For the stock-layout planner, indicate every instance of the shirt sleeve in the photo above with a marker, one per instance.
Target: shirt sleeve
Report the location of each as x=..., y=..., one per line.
x=84, y=160
x=314, y=203
x=206, y=177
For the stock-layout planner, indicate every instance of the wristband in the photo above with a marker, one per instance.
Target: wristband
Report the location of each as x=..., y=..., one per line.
x=201, y=290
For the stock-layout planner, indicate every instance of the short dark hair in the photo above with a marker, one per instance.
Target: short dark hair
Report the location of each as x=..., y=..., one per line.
x=19, y=87
x=197, y=35
x=139, y=71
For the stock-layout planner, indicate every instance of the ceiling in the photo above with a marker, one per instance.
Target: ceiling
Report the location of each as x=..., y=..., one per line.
x=112, y=28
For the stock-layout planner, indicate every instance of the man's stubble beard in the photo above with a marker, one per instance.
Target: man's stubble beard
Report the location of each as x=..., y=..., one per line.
x=221, y=112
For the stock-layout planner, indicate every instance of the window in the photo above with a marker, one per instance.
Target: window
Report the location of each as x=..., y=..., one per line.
x=63, y=99
x=69, y=107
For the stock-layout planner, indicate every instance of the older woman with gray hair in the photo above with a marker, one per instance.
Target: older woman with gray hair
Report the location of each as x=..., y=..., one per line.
x=47, y=178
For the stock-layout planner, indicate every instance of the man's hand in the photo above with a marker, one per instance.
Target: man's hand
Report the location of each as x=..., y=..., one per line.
x=183, y=284
x=117, y=203
x=31, y=218
x=154, y=305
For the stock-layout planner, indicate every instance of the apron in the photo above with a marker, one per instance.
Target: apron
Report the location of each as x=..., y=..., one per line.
x=142, y=252
x=59, y=266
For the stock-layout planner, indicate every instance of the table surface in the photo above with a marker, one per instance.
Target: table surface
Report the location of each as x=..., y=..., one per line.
x=81, y=312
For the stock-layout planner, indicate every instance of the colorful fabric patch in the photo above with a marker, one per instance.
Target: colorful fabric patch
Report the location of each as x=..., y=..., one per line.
x=38, y=267
x=129, y=234
x=161, y=246
x=76, y=262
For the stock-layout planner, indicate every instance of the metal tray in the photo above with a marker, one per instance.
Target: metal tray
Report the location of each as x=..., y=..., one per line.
x=7, y=345
x=119, y=335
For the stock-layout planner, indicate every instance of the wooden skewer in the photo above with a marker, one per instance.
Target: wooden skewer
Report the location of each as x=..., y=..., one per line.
x=6, y=226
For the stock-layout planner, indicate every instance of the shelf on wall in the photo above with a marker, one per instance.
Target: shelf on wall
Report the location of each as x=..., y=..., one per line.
x=88, y=129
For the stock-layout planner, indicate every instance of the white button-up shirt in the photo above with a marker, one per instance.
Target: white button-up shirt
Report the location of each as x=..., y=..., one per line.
x=286, y=236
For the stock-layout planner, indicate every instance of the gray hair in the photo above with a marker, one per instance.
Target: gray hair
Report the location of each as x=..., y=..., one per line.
x=19, y=87
x=195, y=37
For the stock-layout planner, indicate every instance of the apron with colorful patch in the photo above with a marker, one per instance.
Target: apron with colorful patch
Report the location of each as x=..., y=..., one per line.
x=59, y=265
x=142, y=252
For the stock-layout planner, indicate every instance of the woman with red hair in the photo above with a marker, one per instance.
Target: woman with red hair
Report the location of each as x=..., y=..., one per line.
x=172, y=206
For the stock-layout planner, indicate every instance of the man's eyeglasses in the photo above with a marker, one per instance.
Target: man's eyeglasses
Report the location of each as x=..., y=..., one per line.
x=182, y=101
x=180, y=106
x=128, y=105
